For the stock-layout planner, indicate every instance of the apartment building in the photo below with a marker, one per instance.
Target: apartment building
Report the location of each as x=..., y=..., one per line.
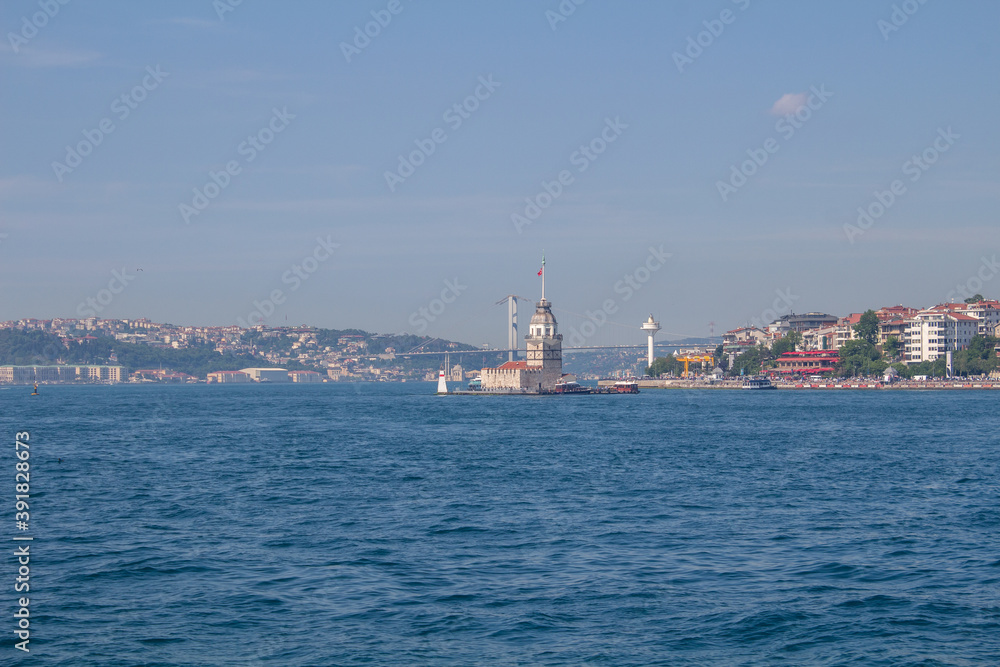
x=931, y=333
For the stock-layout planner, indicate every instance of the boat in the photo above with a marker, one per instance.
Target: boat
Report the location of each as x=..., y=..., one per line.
x=757, y=383
x=626, y=387
x=571, y=388
x=476, y=384
x=35, y=391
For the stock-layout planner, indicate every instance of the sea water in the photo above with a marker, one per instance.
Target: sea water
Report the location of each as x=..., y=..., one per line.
x=378, y=524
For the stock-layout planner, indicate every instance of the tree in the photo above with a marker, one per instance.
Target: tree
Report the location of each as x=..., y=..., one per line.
x=975, y=298
x=867, y=327
x=751, y=361
x=856, y=357
x=663, y=365
x=978, y=359
x=891, y=348
x=786, y=344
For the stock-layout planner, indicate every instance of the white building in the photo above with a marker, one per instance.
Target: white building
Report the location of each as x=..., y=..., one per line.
x=826, y=338
x=931, y=333
x=223, y=377
x=266, y=374
x=988, y=314
x=305, y=376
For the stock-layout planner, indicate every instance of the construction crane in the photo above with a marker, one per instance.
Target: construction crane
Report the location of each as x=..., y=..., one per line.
x=703, y=358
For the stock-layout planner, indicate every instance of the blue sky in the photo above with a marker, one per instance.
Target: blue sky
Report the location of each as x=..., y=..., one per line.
x=887, y=94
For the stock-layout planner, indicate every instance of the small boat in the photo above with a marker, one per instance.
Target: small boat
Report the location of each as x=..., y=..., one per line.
x=757, y=383
x=35, y=391
x=626, y=387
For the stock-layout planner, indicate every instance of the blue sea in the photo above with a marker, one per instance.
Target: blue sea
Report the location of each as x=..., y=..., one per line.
x=378, y=524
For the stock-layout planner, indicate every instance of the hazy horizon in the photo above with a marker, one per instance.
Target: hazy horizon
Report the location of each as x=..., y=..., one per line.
x=700, y=162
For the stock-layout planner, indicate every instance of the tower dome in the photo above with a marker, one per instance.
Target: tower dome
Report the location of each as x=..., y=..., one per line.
x=543, y=322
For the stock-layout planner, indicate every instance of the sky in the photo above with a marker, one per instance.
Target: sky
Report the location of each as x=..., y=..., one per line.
x=402, y=165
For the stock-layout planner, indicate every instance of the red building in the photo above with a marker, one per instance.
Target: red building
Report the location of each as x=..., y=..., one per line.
x=814, y=361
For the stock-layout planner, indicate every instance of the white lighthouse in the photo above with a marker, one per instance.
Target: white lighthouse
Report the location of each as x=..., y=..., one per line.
x=652, y=327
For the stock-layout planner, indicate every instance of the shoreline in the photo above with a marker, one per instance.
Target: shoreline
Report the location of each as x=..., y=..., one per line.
x=828, y=385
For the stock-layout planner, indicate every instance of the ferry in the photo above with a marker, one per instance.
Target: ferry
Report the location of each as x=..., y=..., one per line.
x=757, y=383
x=476, y=384
x=571, y=388
x=626, y=387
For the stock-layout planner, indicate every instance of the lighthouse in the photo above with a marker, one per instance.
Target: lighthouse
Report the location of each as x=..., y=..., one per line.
x=544, y=342
x=652, y=327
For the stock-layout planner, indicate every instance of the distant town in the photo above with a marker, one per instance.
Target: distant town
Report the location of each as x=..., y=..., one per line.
x=952, y=339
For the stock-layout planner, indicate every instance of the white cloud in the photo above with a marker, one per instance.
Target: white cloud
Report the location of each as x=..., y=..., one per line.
x=32, y=57
x=789, y=103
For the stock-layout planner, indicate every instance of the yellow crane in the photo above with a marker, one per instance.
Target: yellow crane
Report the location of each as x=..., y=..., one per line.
x=703, y=358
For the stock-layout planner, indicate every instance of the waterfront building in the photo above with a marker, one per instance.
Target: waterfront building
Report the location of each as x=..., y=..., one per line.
x=227, y=377
x=826, y=338
x=894, y=327
x=304, y=376
x=933, y=332
x=266, y=374
x=31, y=374
x=800, y=323
x=161, y=375
x=988, y=314
x=813, y=361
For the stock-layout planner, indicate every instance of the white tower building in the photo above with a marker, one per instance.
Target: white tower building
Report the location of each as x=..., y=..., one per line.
x=652, y=327
x=544, y=342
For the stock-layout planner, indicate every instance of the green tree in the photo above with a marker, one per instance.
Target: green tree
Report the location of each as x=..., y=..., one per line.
x=664, y=365
x=891, y=348
x=856, y=357
x=790, y=341
x=975, y=298
x=867, y=327
x=978, y=359
x=751, y=361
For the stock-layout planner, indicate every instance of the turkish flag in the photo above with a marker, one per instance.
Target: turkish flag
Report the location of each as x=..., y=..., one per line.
x=540, y=271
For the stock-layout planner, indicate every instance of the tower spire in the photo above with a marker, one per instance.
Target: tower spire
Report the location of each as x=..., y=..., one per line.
x=543, y=275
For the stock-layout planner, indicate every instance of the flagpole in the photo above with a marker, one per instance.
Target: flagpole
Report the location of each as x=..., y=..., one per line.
x=543, y=275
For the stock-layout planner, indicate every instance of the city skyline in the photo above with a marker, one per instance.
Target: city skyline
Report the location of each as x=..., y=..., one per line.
x=202, y=161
